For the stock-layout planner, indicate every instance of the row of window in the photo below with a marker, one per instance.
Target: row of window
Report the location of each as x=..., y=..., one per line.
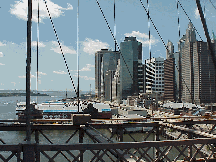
x=159, y=68
x=159, y=71
x=159, y=78
x=159, y=83
x=161, y=75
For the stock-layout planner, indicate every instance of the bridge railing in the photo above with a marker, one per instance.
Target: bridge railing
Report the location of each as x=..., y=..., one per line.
x=124, y=151
x=139, y=150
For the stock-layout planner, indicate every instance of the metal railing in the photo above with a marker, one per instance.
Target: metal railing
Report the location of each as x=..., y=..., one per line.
x=190, y=144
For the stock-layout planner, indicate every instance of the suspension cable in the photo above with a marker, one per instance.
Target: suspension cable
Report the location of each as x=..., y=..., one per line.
x=60, y=48
x=189, y=19
x=149, y=32
x=154, y=25
x=178, y=21
x=37, y=51
x=212, y=4
x=114, y=39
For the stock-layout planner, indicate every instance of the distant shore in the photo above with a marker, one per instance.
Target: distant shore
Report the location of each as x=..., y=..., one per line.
x=21, y=94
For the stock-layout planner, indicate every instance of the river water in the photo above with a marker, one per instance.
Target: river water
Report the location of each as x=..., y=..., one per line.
x=7, y=111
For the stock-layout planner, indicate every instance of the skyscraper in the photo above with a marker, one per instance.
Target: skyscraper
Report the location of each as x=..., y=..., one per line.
x=171, y=74
x=105, y=66
x=155, y=75
x=198, y=73
x=131, y=50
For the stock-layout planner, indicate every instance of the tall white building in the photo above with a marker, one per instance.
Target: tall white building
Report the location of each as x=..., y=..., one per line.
x=154, y=75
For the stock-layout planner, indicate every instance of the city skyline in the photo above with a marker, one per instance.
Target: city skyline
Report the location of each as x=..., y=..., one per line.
x=93, y=36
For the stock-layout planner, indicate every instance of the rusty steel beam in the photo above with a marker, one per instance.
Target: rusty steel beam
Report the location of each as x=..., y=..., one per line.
x=193, y=122
x=125, y=145
x=191, y=131
x=22, y=127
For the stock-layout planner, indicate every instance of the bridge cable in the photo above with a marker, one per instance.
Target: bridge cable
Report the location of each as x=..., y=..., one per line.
x=60, y=47
x=37, y=51
x=163, y=42
x=179, y=32
x=212, y=4
x=114, y=39
x=189, y=19
x=149, y=31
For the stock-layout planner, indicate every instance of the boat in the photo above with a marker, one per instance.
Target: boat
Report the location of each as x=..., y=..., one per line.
x=48, y=110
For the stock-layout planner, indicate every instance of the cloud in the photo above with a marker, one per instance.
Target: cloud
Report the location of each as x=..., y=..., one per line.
x=91, y=46
x=196, y=12
x=23, y=76
x=64, y=48
x=85, y=77
x=1, y=54
x=142, y=37
x=41, y=73
x=1, y=44
x=2, y=64
x=60, y=72
x=86, y=68
x=13, y=83
x=19, y=9
x=69, y=6
x=40, y=44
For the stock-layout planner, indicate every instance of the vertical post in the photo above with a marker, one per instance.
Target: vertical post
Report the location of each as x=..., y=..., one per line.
x=111, y=86
x=37, y=142
x=81, y=135
x=114, y=27
x=120, y=130
x=90, y=91
x=28, y=152
x=157, y=138
x=190, y=153
x=28, y=70
x=78, y=52
x=37, y=53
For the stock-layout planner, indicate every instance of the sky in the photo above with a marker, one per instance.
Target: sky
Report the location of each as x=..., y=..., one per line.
x=131, y=20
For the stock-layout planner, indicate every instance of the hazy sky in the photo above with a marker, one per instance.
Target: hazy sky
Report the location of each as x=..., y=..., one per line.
x=131, y=20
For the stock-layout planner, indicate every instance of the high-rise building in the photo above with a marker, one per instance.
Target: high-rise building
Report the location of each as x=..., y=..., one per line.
x=169, y=79
x=131, y=51
x=154, y=68
x=170, y=50
x=198, y=73
x=116, y=85
x=105, y=66
x=171, y=74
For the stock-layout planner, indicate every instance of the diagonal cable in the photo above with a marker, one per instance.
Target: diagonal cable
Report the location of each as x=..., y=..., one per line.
x=189, y=19
x=114, y=39
x=60, y=48
x=212, y=4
